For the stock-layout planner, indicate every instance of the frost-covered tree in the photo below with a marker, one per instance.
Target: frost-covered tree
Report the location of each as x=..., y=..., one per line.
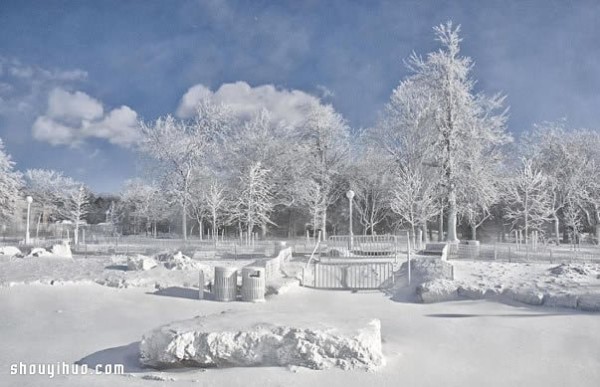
x=253, y=202
x=371, y=180
x=564, y=156
x=460, y=120
x=46, y=187
x=323, y=148
x=75, y=206
x=144, y=203
x=528, y=203
x=10, y=184
x=414, y=198
x=181, y=147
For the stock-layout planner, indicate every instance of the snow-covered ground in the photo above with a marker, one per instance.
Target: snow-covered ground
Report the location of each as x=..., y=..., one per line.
x=458, y=342
x=466, y=343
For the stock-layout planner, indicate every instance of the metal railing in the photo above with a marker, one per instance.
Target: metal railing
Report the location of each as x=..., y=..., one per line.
x=507, y=252
x=352, y=275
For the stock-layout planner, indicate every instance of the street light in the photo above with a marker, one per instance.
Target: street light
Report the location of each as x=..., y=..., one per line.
x=350, y=196
x=29, y=201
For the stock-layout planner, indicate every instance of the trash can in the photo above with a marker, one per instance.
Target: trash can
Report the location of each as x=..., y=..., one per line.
x=201, y=285
x=253, y=284
x=225, y=287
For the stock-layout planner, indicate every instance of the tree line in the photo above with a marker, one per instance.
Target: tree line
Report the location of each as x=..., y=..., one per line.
x=438, y=156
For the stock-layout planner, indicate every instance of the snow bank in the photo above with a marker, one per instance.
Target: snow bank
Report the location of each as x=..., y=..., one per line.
x=62, y=250
x=178, y=261
x=140, y=262
x=245, y=339
x=39, y=252
x=10, y=251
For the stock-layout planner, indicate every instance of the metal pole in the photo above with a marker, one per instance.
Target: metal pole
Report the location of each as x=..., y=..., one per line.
x=27, y=236
x=350, y=196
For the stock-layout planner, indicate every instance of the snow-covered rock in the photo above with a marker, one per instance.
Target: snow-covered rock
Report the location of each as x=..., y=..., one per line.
x=62, y=250
x=472, y=292
x=428, y=269
x=437, y=291
x=10, y=251
x=140, y=262
x=247, y=339
x=526, y=296
x=178, y=261
x=589, y=302
x=565, y=300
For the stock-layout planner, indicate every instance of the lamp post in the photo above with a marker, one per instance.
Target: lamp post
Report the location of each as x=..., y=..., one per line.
x=350, y=196
x=29, y=201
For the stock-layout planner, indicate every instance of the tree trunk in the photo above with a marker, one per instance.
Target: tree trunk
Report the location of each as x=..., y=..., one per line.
x=324, y=234
x=556, y=228
x=598, y=227
x=473, y=232
x=76, y=233
x=451, y=227
x=214, y=223
x=441, y=225
x=424, y=228
x=263, y=230
x=183, y=220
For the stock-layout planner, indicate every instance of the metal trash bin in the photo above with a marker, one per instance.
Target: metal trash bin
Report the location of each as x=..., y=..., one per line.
x=225, y=286
x=253, y=284
x=201, y=285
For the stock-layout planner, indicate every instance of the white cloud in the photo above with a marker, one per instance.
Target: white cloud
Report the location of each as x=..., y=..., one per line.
x=285, y=105
x=71, y=117
x=77, y=105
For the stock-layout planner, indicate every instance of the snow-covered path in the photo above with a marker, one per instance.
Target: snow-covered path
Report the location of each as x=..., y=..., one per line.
x=462, y=343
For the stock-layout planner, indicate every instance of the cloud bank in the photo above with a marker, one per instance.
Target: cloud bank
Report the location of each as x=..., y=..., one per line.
x=287, y=106
x=72, y=117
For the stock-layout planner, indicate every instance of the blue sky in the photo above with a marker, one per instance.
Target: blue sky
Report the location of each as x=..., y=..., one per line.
x=76, y=75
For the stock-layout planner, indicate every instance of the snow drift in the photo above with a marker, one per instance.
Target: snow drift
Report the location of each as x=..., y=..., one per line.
x=243, y=339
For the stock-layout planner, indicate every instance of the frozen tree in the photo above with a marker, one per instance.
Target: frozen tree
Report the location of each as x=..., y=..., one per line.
x=527, y=200
x=10, y=183
x=323, y=150
x=253, y=202
x=181, y=147
x=74, y=206
x=46, y=187
x=414, y=198
x=460, y=120
x=145, y=203
x=216, y=201
x=561, y=155
x=371, y=180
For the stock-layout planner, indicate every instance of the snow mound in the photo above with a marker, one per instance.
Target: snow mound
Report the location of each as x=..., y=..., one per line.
x=178, y=261
x=140, y=262
x=39, y=252
x=62, y=250
x=243, y=339
x=438, y=290
x=10, y=251
x=571, y=269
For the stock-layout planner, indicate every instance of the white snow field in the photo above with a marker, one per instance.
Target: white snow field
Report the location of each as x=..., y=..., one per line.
x=96, y=311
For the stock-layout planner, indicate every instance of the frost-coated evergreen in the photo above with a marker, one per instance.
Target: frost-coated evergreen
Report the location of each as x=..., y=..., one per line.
x=461, y=122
